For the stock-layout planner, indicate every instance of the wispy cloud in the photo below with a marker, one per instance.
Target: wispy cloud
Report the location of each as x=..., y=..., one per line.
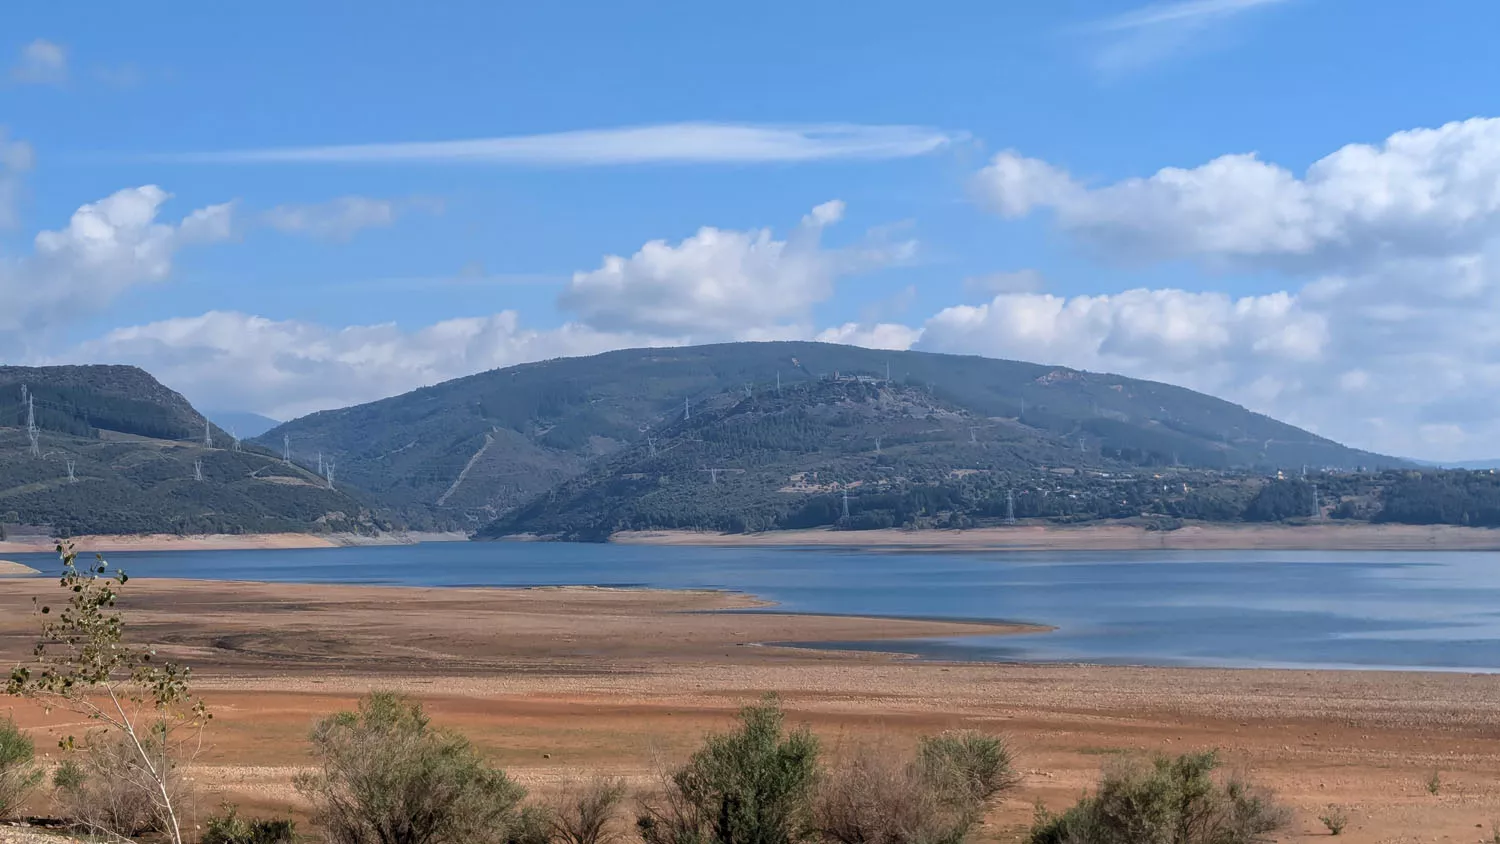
x=675, y=143
x=1152, y=33
x=41, y=62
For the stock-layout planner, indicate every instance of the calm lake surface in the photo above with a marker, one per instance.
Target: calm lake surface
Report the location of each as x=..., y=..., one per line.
x=1427, y=610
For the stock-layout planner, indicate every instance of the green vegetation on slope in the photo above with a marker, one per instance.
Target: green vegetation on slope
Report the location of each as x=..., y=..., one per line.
x=469, y=450
x=136, y=449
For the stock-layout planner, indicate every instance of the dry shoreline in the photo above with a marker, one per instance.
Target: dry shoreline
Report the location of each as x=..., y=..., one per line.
x=1110, y=537
x=1096, y=537
x=219, y=542
x=557, y=683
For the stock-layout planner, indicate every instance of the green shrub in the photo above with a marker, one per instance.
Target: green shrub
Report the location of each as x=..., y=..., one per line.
x=230, y=828
x=19, y=773
x=387, y=776
x=1335, y=819
x=752, y=786
x=1435, y=783
x=1166, y=801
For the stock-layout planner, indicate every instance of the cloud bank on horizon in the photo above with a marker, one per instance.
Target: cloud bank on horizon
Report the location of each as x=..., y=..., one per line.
x=1354, y=294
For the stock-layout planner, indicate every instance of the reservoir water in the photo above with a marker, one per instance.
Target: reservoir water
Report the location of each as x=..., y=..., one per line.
x=1418, y=610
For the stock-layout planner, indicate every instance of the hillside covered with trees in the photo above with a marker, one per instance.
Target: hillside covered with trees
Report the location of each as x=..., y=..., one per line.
x=466, y=452
x=118, y=452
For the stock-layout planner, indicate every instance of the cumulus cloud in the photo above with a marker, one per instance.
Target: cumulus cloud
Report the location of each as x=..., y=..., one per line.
x=107, y=247
x=882, y=335
x=341, y=218
x=288, y=368
x=721, y=283
x=41, y=62
x=1389, y=257
x=1422, y=192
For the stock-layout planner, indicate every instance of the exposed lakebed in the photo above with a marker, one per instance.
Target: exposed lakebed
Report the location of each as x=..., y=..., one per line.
x=1408, y=610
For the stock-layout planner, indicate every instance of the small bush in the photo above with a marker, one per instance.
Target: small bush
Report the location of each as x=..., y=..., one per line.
x=389, y=777
x=19, y=773
x=1168, y=801
x=230, y=828
x=586, y=814
x=1435, y=783
x=106, y=787
x=751, y=786
x=1335, y=819
x=938, y=798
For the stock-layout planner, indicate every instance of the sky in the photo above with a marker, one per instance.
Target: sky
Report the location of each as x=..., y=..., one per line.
x=285, y=207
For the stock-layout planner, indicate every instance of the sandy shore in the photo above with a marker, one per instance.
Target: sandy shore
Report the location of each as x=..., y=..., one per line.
x=1114, y=537
x=556, y=683
x=221, y=541
x=8, y=568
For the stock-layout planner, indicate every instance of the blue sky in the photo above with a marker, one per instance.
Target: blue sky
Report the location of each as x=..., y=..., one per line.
x=330, y=262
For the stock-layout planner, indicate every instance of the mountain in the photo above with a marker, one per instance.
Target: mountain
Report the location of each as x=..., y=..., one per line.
x=241, y=423
x=466, y=451
x=118, y=452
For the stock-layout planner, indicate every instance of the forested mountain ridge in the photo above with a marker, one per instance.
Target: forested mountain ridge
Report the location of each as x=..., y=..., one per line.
x=119, y=452
x=469, y=450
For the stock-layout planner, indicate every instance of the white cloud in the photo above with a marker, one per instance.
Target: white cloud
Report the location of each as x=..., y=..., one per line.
x=883, y=335
x=107, y=247
x=1390, y=254
x=1423, y=192
x=1152, y=33
x=338, y=219
x=16, y=159
x=681, y=143
x=41, y=62
x=288, y=368
x=723, y=284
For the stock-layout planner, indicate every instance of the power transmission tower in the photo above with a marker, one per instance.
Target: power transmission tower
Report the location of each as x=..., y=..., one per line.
x=846, y=503
x=32, y=433
x=327, y=470
x=713, y=474
x=198, y=470
x=1010, y=507
x=749, y=393
x=208, y=438
x=651, y=444
x=687, y=410
x=234, y=439
x=286, y=449
x=887, y=372
x=320, y=463
x=1317, y=512
x=778, y=382
x=973, y=438
x=877, y=446
x=72, y=478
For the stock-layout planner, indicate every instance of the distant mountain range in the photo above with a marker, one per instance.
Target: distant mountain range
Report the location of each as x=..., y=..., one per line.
x=242, y=424
x=118, y=452
x=492, y=446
